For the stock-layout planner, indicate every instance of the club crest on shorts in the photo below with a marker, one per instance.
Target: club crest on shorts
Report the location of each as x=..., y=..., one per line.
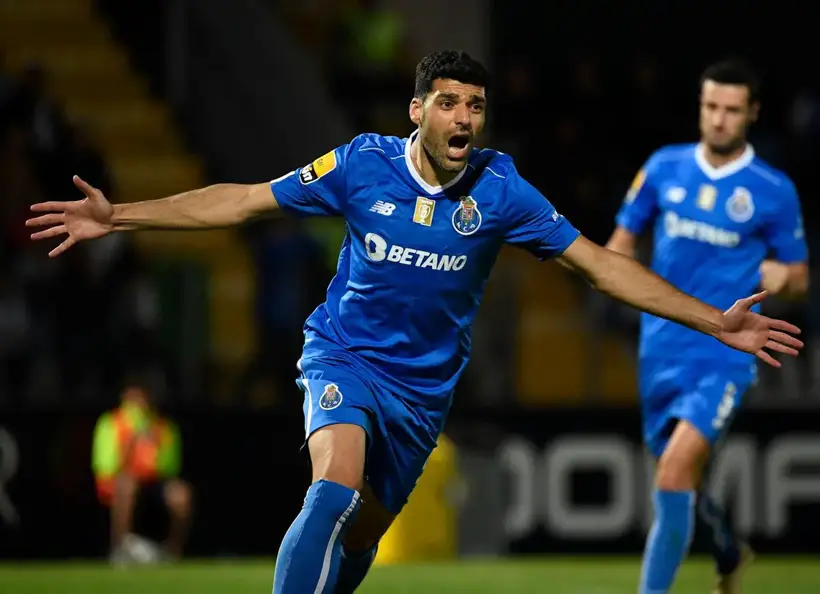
x=467, y=217
x=331, y=397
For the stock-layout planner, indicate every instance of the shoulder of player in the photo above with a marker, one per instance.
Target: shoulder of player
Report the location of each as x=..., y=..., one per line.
x=672, y=154
x=491, y=162
x=769, y=175
x=372, y=144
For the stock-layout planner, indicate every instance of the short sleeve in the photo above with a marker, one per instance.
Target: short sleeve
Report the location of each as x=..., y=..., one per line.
x=640, y=206
x=319, y=188
x=784, y=231
x=533, y=223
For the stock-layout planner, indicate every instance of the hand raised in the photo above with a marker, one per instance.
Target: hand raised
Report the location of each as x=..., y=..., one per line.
x=89, y=218
x=751, y=332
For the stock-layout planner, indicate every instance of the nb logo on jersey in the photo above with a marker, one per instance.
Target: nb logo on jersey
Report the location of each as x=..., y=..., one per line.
x=383, y=208
x=377, y=250
x=676, y=226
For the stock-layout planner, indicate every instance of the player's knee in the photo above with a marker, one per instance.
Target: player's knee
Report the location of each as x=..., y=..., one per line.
x=337, y=454
x=680, y=465
x=371, y=524
x=178, y=497
x=125, y=487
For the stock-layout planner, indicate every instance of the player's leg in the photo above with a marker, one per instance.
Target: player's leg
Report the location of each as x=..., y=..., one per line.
x=699, y=415
x=676, y=478
x=730, y=553
x=361, y=542
x=337, y=424
x=123, y=504
x=393, y=469
x=177, y=497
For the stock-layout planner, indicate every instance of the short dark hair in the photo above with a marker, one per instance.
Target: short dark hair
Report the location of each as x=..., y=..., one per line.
x=734, y=71
x=452, y=64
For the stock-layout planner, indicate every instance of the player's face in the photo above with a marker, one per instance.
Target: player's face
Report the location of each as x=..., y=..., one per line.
x=450, y=120
x=725, y=115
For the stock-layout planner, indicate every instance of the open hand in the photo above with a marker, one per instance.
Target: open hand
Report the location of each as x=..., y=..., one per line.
x=89, y=218
x=751, y=332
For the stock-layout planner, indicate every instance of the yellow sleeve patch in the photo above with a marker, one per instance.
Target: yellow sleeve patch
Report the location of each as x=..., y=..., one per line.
x=319, y=168
x=325, y=164
x=636, y=186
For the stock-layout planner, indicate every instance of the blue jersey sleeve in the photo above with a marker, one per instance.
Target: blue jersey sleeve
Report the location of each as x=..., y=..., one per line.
x=640, y=207
x=784, y=231
x=532, y=221
x=318, y=188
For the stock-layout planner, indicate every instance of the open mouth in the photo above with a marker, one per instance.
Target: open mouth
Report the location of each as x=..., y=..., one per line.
x=458, y=146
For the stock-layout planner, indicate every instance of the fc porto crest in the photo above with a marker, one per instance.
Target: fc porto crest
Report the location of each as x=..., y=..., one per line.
x=467, y=217
x=331, y=397
x=740, y=207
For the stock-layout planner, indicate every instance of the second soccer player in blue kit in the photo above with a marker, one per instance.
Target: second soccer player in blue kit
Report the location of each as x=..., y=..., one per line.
x=717, y=211
x=426, y=217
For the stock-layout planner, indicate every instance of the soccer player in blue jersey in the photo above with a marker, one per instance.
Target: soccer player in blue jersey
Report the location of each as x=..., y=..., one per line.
x=426, y=217
x=717, y=212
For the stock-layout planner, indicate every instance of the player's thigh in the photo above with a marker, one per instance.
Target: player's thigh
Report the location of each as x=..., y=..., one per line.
x=661, y=386
x=681, y=464
x=701, y=417
x=371, y=523
x=337, y=454
x=402, y=446
x=338, y=409
x=712, y=405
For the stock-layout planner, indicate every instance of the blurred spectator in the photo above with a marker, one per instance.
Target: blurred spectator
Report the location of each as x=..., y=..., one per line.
x=137, y=457
x=370, y=67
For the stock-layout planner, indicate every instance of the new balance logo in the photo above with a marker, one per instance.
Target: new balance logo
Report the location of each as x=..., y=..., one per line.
x=383, y=208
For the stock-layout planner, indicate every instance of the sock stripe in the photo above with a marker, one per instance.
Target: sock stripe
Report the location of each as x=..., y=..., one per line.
x=323, y=575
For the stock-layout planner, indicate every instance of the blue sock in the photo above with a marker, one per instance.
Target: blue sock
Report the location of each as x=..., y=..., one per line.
x=725, y=548
x=353, y=569
x=668, y=540
x=309, y=557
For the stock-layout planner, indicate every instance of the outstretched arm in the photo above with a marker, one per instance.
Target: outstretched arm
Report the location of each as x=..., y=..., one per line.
x=627, y=280
x=220, y=205
x=216, y=206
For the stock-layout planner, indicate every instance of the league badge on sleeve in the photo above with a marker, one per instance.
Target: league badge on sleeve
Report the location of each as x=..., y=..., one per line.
x=331, y=397
x=635, y=187
x=319, y=168
x=467, y=217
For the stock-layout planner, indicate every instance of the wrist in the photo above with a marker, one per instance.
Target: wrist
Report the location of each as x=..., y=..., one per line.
x=120, y=220
x=713, y=323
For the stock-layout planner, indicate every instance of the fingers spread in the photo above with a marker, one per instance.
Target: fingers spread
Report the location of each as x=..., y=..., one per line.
x=62, y=247
x=756, y=298
x=781, y=348
x=49, y=219
x=767, y=358
x=783, y=326
x=47, y=206
x=51, y=232
x=786, y=339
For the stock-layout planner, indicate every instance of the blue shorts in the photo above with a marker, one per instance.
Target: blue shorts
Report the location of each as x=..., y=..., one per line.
x=704, y=394
x=400, y=436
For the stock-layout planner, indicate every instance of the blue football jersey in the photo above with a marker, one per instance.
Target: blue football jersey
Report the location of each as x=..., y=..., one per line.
x=712, y=229
x=415, y=258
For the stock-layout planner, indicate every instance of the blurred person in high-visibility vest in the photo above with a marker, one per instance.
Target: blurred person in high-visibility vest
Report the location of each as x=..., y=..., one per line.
x=137, y=455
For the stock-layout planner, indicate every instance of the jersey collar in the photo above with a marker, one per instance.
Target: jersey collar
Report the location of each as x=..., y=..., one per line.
x=730, y=168
x=411, y=167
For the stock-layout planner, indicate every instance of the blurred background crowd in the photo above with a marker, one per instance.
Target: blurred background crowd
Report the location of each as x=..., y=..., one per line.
x=579, y=123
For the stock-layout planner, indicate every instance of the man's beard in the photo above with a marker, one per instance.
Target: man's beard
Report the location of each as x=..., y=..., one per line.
x=727, y=148
x=440, y=160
